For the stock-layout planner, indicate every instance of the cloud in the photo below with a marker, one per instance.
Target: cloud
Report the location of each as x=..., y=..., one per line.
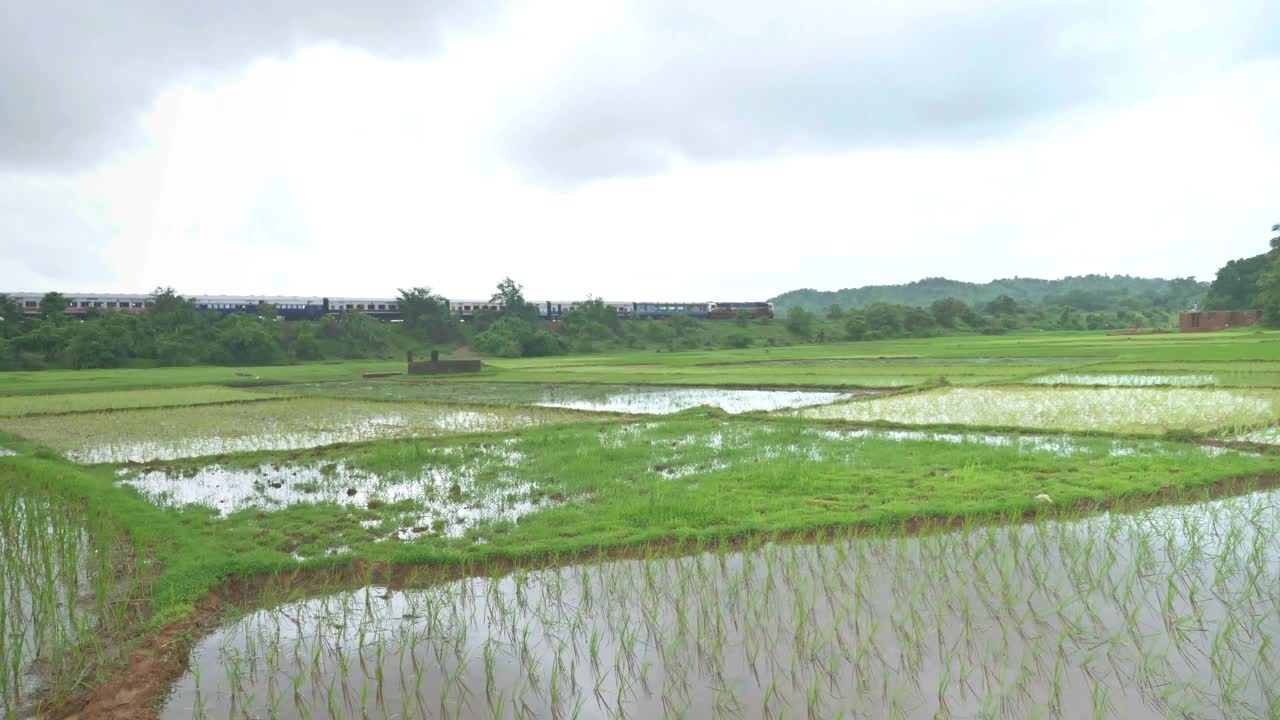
x=666, y=82
x=75, y=75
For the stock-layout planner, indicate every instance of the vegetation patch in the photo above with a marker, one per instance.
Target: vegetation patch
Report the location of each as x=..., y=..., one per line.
x=150, y=434
x=1125, y=410
x=24, y=405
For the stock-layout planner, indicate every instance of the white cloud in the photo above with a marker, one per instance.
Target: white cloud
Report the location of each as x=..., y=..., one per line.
x=338, y=172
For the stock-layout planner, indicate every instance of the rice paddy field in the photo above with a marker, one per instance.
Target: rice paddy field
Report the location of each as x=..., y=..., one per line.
x=993, y=527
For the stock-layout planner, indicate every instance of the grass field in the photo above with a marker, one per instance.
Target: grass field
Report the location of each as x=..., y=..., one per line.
x=1049, y=525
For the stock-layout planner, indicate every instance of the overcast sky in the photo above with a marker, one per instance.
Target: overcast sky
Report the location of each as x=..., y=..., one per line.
x=632, y=149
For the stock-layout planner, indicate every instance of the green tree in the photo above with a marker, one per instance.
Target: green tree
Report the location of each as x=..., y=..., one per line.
x=590, y=322
x=96, y=345
x=799, y=322
x=855, y=325
x=1002, y=305
x=918, y=322
x=267, y=311
x=1269, y=284
x=511, y=295
x=512, y=337
x=883, y=321
x=947, y=311
x=246, y=340
x=169, y=311
x=835, y=312
x=52, y=305
x=426, y=316
x=1236, y=286
x=11, y=319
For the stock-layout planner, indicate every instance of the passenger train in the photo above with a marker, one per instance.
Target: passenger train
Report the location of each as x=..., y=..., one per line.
x=310, y=308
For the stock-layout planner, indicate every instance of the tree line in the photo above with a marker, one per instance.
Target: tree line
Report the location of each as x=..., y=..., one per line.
x=1086, y=293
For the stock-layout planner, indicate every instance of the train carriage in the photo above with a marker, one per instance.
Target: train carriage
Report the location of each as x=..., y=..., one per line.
x=306, y=308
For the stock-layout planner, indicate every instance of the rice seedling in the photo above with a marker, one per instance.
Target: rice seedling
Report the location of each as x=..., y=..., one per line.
x=1126, y=380
x=1013, y=621
x=1093, y=409
x=64, y=582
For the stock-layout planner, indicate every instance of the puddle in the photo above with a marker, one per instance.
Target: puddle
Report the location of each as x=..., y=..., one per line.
x=1127, y=380
x=661, y=401
x=447, y=496
x=1169, y=613
x=1108, y=409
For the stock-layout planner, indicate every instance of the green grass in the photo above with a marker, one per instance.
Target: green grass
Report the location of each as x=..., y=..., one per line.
x=79, y=381
x=22, y=405
x=1090, y=409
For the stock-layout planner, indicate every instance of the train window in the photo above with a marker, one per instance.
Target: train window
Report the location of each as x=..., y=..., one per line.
x=31, y=303
x=111, y=304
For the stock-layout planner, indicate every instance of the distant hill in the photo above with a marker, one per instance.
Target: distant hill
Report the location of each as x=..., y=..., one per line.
x=1085, y=292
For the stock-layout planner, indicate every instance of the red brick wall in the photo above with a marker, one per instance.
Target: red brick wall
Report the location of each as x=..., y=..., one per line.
x=1211, y=320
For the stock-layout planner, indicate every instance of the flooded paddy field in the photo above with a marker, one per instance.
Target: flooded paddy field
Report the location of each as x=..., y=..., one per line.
x=1166, y=613
x=616, y=482
x=1065, y=529
x=1116, y=409
x=151, y=434
x=630, y=399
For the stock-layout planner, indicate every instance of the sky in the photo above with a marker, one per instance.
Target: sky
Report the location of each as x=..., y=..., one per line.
x=629, y=149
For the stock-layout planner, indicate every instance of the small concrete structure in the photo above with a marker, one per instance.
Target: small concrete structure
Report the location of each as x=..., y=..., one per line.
x=1213, y=320
x=442, y=367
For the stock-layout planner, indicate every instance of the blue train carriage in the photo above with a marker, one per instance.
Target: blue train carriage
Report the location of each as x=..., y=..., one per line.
x=289, y=307
x=667, y=309
x=730, y=310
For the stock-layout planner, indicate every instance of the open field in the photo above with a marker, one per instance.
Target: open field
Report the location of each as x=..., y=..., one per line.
x=1035, y=526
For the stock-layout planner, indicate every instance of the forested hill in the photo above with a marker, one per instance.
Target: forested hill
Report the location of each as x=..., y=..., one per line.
x=1085, y=292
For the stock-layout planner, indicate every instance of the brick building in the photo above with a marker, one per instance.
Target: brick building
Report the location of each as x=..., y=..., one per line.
x=1211, y=320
